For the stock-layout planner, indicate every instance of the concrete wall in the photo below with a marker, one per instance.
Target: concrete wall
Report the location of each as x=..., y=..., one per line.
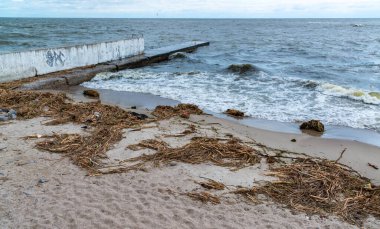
x=20, y=65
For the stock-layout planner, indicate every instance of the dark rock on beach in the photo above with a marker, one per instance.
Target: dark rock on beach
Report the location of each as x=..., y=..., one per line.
x=91, y=93
x=315, y=125
x=139, y=116
x=234, y=113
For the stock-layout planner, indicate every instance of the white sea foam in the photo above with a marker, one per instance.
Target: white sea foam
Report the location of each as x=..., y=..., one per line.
x=352, y=93
x=262, y=96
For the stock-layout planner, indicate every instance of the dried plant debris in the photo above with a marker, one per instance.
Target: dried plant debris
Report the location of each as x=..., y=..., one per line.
x=322, y=187
x=107, y=121
x=204, y=197
x=211, y=184
x=149, y=144
x=84, y=151
x=30, y=104
x=190, y=130
x=183, y=110
x=229, y=153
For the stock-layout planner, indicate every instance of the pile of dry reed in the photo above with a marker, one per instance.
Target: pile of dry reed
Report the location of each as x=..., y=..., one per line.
x=108, y=123
x=30, y=104
x=165, y=112
x=229, y=153
x=322, y=187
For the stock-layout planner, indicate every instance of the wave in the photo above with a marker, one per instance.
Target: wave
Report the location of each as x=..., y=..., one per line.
x=3, y=42
x=289, y=83
x=365, y=96
x=18, y=35
x=357, y=25
x=265, y=96
x=368, y=97
x=178, y=55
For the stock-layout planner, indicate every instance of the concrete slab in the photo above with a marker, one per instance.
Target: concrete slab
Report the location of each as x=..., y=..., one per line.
x=83, y=75
x=44, y=84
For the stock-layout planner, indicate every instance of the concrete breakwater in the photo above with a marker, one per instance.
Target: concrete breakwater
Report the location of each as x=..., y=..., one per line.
x=79, y=75
x=20, y=65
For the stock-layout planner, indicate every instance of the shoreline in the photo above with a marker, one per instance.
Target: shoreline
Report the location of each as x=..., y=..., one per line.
x=314, y=146
x=149, y=101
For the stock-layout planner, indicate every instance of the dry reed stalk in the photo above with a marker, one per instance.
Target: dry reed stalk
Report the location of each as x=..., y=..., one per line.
x=230, y=154
x=148, y=144
x=212, y=184
x=30, y=104
x=322, y=187
x=204, y=197
x=165, y=112
x=85, y=151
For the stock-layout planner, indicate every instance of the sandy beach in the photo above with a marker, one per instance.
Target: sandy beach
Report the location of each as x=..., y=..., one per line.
x=40, y=189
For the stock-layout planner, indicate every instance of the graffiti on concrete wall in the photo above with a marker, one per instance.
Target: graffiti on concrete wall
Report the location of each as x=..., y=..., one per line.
x=54, y=58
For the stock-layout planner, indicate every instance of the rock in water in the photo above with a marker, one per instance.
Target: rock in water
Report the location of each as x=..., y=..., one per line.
x=235, y=113
x=91, y=93
x=315, y=125
x=242, y=68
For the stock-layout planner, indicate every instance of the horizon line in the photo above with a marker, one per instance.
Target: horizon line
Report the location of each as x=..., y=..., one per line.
x=36, y=17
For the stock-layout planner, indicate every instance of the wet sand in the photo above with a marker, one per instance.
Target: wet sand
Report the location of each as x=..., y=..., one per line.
x=357, y=154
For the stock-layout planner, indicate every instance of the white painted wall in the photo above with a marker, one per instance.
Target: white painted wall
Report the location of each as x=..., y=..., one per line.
x=20, y=65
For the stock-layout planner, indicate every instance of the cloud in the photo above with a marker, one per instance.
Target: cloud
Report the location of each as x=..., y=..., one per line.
x=190, y=8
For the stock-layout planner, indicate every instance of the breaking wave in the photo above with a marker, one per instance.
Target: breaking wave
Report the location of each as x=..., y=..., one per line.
x=264, y=96
x=369, y=97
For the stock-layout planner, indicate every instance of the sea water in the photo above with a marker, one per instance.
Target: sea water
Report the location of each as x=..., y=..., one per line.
x=326, y=69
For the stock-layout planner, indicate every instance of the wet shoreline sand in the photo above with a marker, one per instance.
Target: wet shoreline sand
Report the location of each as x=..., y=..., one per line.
x=149, y=101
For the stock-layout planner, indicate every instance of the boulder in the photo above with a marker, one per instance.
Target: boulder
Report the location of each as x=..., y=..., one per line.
x=235, y=113
x=242, y=68
x=91, y=93
x=315, y=125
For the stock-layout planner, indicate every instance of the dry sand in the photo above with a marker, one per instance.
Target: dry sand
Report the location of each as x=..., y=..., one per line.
x=44, y=190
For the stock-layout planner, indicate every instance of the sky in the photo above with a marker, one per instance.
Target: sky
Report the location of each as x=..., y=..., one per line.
x=191, y=8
